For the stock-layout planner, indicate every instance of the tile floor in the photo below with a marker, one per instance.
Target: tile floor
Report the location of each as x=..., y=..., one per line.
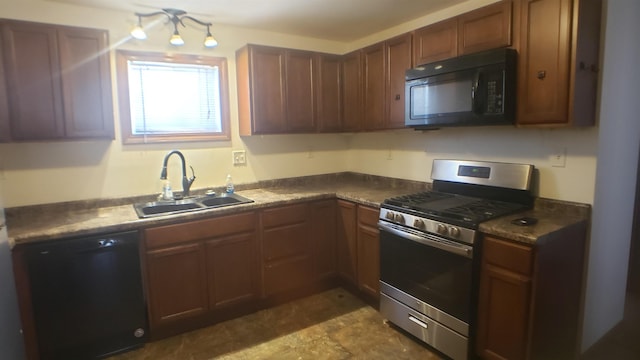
x=330, y=325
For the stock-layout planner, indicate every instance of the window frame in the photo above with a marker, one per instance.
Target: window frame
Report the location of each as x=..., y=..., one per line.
x=122, y=59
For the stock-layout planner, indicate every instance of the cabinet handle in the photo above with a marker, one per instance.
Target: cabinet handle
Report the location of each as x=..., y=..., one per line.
x=542, y=74
x=397, y=96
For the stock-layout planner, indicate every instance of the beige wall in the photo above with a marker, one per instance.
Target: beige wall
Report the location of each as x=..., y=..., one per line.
x=33, y=173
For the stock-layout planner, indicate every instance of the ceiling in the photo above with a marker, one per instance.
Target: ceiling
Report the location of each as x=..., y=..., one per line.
x=339, y=20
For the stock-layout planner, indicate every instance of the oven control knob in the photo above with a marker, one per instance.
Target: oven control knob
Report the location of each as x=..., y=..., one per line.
x=454, y=231
x=441, y=229
x=389, y=216
x=419, y=223
x=399, y=219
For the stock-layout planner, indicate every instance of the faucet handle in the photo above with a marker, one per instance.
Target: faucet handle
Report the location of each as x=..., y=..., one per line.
x=193, y=174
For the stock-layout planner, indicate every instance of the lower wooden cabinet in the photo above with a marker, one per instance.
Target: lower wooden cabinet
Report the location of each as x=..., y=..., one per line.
x=529, y=298
x=346, y=238
x=323, y=232
x=286, y=248
x=359, y=247
x=200, y=270
x=368, y=251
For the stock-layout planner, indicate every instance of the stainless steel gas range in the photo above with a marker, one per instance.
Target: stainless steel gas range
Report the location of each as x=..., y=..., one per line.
x=430, y=253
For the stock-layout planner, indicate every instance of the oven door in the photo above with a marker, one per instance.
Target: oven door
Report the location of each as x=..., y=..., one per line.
x=430, y=269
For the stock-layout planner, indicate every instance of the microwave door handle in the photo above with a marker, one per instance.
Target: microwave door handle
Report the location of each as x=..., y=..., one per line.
x=475, y=96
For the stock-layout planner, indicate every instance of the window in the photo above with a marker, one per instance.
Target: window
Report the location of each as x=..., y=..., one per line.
x=170, y=98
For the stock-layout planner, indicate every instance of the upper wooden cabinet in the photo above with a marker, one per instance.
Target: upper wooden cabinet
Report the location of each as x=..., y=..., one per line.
x=329, y=93
x=435, y=42
x=482, y=29
x=352, y=90
x=558, y=57
x=59, y=81
x=384, y=66
x=275, y=90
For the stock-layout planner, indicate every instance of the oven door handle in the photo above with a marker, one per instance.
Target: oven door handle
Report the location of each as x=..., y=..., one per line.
x=457, y=249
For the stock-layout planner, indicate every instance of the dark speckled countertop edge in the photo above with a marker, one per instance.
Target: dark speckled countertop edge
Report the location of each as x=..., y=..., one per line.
x=46, y=222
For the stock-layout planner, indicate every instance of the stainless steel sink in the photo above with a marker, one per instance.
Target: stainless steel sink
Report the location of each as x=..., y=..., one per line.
x=167, y=207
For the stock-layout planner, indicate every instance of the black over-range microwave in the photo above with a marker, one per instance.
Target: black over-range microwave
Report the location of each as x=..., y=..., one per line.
x=469, y=90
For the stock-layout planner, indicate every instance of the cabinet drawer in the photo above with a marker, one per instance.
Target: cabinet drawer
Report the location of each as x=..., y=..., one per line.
x=508, y=255
x=291, y=214
x=198, y=230
x=368, y=216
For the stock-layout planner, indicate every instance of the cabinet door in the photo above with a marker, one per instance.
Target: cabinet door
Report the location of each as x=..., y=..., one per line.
x=373, y=63
x=486, y=28
x=504, y=300
x=86, y=83
x=346, y=241
x=177, y=283
x=267, y=90
x=435, y=42
x=368, y=251
x=323, y=230
x=232, y=270
x=286, y=249
x=352, y=91
x=33, y=77
x=329, y=93
x=544, y=55
x=299, y=91
x=5, y=129
x=398, y=61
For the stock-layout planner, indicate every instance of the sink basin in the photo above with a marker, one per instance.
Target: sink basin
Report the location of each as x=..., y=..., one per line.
x=167, y=207
x=220, y=201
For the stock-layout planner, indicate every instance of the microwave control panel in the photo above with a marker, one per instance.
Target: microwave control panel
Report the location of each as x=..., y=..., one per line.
x=494, y=97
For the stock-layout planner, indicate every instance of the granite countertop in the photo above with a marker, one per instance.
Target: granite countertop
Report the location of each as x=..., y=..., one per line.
x=54, y=221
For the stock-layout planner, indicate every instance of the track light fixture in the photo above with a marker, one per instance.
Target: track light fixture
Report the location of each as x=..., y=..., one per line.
x=176, y=16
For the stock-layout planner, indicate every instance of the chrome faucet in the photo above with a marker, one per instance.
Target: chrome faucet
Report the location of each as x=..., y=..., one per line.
x=186, y=182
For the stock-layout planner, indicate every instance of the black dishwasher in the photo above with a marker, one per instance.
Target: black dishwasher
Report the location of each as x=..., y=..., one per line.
x=87, y=296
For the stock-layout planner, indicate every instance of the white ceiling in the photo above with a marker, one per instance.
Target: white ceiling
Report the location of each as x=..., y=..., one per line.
x=340, y=20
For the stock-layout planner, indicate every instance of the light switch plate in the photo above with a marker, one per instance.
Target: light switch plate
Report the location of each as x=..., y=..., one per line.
x=239, y=157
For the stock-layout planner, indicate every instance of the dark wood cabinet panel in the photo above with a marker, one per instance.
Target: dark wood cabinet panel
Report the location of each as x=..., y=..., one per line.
x=232, y=263
x=486, y=28
x=504, y=299
x=352, y=91
x=60, y=81
x=398, y=60
x=86, y=85
x=267, y=99
x=374, y=70
x=300, y=104
x=435, y=42
x=33, y=74
x=200, y=271
x=323, y=231
x=558, y=57
x=329, y=93
x=543, y=91
x=177, y=284
x=346, y=241
x=286, y=249
x=368, y=249
x=5, y=129
x=529, y=296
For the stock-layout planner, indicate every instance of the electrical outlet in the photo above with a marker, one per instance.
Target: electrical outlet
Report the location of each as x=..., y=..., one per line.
x=239, y=157
x=559, y=157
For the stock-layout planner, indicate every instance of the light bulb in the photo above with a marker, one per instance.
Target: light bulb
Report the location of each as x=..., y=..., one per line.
x=138, y=32
x=210, y=41
x=176, y=39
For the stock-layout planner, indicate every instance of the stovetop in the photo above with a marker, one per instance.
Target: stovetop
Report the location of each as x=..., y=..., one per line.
x=452, y=208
